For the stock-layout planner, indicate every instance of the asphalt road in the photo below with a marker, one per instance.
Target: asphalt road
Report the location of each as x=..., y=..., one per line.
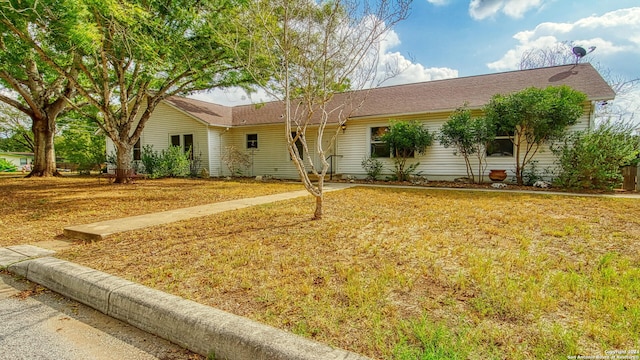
x=36, y=323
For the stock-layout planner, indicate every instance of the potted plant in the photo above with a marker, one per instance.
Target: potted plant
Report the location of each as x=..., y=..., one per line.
x=497, y=175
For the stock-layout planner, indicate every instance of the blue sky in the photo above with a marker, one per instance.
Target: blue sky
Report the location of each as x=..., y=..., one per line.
x=455, y=38
x=468, y=35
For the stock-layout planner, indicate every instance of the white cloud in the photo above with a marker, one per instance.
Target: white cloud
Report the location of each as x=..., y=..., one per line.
x=625, y=108
x=482, y=9
x=615, y=34
x=232, y=96
x=438, y=2
x=410, y=72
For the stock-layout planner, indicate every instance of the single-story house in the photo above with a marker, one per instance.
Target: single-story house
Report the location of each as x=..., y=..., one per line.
x=19, y=159
x=259, y=129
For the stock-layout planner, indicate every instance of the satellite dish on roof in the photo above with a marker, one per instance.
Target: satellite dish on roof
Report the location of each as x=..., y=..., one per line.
x=580, y=52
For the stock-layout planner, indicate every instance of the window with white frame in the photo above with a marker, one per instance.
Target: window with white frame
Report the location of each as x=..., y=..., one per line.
x=175, y=140
x=252, y=141
x=137, y=150
x=501, y=145
x=185, y=142
x=379, y=148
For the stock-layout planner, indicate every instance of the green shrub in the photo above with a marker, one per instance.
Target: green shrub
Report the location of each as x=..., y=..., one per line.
x=372, y=166
x=406, y=139
x=174, y=163
x=5, y=165
x=531, y=175
x=468, y=136
x=171, y=162
x=591, y=159
x=150, y=159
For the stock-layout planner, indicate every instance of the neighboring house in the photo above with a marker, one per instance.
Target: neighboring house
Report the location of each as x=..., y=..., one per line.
x=19, y=159
x=259, y=129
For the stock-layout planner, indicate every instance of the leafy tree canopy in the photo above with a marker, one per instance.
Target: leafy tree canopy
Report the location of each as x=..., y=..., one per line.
x=407, y=137
x=534, y=116
x=28, y=82
x=468, y=136
x=15, y=134
x=541, y=114
x=132, y=54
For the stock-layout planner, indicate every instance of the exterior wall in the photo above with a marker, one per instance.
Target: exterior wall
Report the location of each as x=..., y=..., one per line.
x=166, y=121
x=17, y=160
x=439, y=163
x=271, y=157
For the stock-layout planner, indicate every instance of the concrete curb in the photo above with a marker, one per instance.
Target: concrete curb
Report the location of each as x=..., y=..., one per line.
x=14, y=254
x=199, y=328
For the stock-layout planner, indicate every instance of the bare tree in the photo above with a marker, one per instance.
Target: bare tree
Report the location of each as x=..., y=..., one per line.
x=555, y=55
x=314, y=51
x=562, y=54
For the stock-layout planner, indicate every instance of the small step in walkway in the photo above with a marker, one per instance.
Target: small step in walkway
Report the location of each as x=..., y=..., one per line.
x=103, y=229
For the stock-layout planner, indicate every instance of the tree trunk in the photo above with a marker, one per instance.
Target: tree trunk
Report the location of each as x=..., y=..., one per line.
x=519, y=180
x=44, y=163
x=123, y=163
x=317, y=215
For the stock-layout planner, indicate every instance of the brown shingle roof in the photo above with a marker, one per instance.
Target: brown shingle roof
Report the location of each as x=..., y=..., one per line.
x=424, y=97
x=210, y=113
x=441, y=95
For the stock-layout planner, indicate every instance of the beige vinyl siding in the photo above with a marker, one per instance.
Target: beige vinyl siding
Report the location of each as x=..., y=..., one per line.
x=355, y=144
x=271, y=157
x=166, y=121
x=438, y=163
x=17, y=159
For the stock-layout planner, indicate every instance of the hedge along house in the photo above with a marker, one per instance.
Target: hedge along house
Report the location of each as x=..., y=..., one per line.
x=258, y=130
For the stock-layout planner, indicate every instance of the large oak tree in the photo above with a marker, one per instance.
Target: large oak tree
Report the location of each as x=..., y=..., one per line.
x=135, y=53
x=29, y=84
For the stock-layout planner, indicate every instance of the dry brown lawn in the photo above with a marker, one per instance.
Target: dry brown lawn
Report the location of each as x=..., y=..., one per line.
x=402, y=273
x=35, y=210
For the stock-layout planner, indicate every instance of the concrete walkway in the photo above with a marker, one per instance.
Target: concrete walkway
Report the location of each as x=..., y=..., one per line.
x=103, y=229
